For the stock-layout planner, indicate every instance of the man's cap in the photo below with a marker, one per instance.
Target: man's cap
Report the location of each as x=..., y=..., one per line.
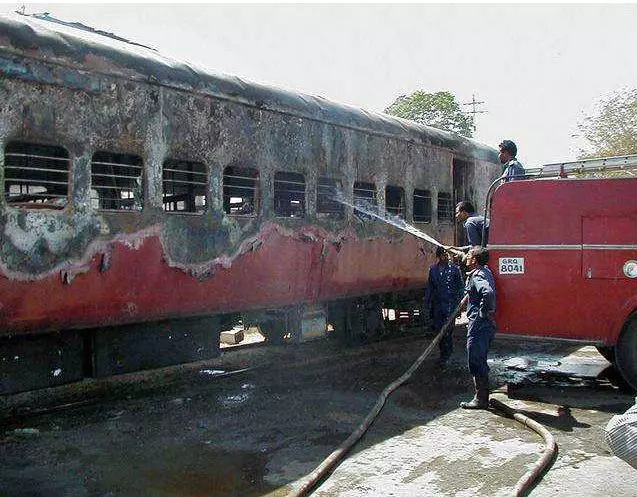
x=509, y=146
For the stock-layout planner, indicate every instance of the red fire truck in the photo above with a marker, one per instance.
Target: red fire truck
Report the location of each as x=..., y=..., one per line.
x=563, y=249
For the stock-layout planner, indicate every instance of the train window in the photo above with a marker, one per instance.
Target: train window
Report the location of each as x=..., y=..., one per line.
x=395, y=200
x=116, y=181
x=445, y=208
x=364, y=193
x=184, y=187
x=326, y=204
x=240, y=191
x=36, y=176
x=289, y=194
x=422, y=206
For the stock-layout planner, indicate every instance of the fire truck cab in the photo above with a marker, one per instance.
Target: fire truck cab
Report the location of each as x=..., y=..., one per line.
x=563, y=250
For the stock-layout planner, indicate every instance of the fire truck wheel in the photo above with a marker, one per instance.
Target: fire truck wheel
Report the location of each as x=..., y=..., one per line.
x=626, y=353
x=607, y=352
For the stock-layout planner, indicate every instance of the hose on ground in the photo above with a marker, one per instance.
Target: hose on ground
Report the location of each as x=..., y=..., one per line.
x=331, y=461
x=523, y=485
x=528, y=479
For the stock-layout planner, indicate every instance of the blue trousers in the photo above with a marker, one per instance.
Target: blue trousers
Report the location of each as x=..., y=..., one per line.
x=479, y=336
x=446, y=343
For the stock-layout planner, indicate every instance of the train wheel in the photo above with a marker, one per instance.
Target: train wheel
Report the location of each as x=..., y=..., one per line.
x=607, y=352
x=626, y=353
x=357, y=321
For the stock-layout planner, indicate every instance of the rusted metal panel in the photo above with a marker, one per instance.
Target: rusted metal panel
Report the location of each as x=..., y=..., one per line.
x=278, y=268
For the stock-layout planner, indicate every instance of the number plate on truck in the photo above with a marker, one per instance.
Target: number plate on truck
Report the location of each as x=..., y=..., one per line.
x=511, y=265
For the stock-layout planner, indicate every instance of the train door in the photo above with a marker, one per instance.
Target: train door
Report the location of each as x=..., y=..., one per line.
x=460, y=175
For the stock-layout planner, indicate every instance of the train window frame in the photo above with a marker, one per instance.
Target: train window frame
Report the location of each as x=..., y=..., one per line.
x=194, y=181
x=239, y=188
x=449, y=210
x=394, y=192
x=129, y=163
x=424, y=215
x=288, y=198
x=326, y=188
x=39, y=168
x=365, y=188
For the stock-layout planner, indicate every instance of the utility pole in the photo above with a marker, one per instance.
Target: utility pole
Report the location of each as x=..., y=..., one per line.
x=474, y=110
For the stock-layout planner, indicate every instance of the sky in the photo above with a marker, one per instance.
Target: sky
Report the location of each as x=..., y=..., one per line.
x=538, y=68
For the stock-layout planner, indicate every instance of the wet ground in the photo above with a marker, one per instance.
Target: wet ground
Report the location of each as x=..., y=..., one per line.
x=258, y=419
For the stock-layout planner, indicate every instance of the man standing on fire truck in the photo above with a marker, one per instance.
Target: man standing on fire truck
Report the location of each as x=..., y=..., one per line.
x=481, y=324
x=512, y=168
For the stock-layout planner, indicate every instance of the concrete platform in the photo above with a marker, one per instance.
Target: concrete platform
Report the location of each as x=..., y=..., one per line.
x=201, y=430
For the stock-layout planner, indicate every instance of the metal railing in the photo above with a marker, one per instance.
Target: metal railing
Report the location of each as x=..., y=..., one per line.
x=586, y=167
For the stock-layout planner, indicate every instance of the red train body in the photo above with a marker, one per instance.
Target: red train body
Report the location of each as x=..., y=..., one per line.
x=146, y=203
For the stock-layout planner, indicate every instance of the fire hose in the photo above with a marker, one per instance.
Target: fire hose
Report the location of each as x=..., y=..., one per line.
x=525, y=483
x=528, y=479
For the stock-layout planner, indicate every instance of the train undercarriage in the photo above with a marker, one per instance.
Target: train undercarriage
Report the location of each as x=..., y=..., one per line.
x=36, y=361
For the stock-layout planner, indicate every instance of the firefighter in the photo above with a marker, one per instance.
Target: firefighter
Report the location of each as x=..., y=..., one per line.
x=473, y=226
x=512, y=168
x=443, y=294
x=481, y=324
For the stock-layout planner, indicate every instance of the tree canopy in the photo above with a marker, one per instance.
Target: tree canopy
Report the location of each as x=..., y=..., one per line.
x=612, y=129
x=440, y=110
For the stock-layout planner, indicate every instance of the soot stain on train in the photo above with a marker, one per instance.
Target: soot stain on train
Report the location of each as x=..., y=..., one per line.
x=44, y=241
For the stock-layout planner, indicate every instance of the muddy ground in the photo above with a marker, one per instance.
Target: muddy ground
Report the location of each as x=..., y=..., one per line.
x=206, y=430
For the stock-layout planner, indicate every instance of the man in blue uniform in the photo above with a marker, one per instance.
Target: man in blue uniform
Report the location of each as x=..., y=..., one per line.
x=443, y=294
x=481, y=324
x=512, y=168
x=473, y=226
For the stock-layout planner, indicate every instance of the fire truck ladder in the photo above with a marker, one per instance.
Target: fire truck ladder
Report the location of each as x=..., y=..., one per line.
x=625, y=165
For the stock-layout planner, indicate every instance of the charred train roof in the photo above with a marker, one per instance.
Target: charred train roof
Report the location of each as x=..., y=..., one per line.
x=75, y=46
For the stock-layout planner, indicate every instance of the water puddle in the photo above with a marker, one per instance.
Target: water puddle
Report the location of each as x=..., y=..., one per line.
x=550, y=370
x=185, y=471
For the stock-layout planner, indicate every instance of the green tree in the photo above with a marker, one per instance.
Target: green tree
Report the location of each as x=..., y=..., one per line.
x=440, y=110
x=611, y=129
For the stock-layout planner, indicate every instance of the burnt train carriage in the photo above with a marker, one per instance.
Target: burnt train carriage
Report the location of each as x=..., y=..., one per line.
x=141, y=194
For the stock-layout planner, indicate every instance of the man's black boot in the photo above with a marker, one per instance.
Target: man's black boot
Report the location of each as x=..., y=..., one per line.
x=481, y=398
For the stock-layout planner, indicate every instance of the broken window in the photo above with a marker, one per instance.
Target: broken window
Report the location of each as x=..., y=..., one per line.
x=422, y=206
x=240, y=191
x=364, y=193
x=289, y=194
x=184, y=187
x=364, y=197
x=445, y=208
x=36, y=176
x=328, y=190
x=395, y=200
x=116, y=181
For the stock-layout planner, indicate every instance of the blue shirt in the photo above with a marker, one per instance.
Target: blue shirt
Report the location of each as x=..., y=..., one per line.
x=473, y=228
x=481, y=289
x=513, y=170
